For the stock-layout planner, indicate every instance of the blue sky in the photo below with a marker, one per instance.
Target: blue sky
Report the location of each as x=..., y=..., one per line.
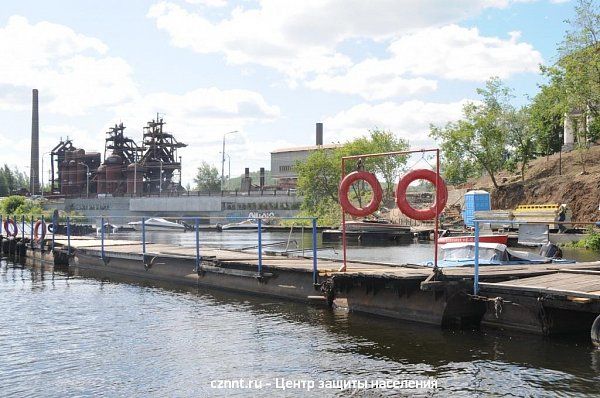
x=268, y=68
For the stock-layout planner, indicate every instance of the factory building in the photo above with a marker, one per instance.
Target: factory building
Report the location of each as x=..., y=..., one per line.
x=284, y=160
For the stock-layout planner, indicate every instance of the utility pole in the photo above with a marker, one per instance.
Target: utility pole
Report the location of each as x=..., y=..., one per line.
x=223, y=159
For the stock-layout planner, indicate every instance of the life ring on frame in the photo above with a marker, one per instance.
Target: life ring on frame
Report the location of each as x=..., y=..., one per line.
x=344, y=188
x=36, y=230
x=15, y=228
x=441, y=196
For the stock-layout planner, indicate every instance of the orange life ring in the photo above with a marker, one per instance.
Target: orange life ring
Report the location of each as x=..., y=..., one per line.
x=370, y=179
x=10, y=221
x=441, y=196
x=36, y=227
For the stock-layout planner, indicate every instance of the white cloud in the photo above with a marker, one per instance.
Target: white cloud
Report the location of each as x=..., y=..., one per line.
x=209, y=3
x=75, y=75
x=199, y=118
x=409, y=120
x=300, y=37
x=373, y=80
x=449, y=52
x=71, y=69
x=302, y=40
x=454, y=52
x=201, y=115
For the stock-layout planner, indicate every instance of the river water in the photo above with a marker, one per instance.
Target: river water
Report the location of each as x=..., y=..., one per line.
x=64, y=335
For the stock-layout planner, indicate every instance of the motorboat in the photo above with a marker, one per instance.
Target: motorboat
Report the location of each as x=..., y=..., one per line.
x=246, y=225
x=459, y=254
x=157, y=224
x=500, y=238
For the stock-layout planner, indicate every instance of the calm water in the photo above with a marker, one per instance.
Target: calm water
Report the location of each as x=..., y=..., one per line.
x=414, y=253
x=66, y=335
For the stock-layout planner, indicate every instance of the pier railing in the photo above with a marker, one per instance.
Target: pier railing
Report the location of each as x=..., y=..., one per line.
x=39, y=230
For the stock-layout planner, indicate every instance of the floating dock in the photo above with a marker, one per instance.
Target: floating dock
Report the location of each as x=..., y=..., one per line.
x=544, y=298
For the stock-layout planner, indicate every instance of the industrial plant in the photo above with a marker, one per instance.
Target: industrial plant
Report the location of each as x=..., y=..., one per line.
x=126, y=169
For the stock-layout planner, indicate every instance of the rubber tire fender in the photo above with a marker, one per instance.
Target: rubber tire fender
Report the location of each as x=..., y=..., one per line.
x=344, y=188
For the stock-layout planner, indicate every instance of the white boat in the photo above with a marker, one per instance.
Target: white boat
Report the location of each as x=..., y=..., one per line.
x=458, y=254
x=157, y=224
x=112, y=228
x=246, y=225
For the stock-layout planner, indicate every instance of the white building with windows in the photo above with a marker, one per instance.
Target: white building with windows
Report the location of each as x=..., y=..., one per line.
x=283, y=162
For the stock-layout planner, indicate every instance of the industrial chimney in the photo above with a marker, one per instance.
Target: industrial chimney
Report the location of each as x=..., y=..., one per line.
x=34, y=182
x=319, y=133
x=262, y=177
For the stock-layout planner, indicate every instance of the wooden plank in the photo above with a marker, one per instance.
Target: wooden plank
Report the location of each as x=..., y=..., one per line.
x=580, y=271
x=558, y=281
x=511, y=288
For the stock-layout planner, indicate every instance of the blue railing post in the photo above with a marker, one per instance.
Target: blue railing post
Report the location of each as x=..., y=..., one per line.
x=102, y=237
x=68, y=235
x=144, y=237
x=43, y=234
x=54, y=222
x=476, y=271
x=314, y=245
x=197, y=245
x=32, y=247
x=260, y=246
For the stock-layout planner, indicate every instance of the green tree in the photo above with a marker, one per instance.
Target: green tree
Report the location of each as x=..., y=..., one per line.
x=521, y=139
x=318, y=178
x=478, y=141
x=579, y=63
x=19, y=205
x=546, y=115
x=320, y=174
x=207, y=178
x=577, y=73
x=388, y=167
x=11, y=180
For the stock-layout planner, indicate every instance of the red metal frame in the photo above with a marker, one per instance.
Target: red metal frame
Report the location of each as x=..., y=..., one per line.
x=396, y=153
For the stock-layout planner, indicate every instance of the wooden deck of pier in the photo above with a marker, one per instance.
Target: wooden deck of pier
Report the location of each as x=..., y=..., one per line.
x=330, y=267
x=573, y=283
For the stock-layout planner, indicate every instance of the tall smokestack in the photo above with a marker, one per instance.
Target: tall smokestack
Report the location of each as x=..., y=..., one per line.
x=319, y=133
x=262, y=177
x=34, y=171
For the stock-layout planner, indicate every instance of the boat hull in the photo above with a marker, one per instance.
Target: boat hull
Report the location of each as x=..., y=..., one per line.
x=157, y=228
x=502, y=239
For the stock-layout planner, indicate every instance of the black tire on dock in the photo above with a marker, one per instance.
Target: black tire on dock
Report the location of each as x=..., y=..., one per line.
x=12, y=247
x=595, y=332
x=22, y=249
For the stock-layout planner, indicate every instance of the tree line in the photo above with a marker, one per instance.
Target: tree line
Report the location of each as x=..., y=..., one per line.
x=494, y=135
x=11, y=180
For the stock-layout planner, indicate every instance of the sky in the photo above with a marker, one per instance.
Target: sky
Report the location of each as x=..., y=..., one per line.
x=269, y=69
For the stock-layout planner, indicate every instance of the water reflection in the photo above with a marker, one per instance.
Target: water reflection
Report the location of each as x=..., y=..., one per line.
x=80, y=336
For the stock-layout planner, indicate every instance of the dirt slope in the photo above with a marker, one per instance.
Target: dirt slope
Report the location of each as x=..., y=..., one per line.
x=543, y=184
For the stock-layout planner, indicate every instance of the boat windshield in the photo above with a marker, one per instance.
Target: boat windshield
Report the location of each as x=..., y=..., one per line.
x=466, y=253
